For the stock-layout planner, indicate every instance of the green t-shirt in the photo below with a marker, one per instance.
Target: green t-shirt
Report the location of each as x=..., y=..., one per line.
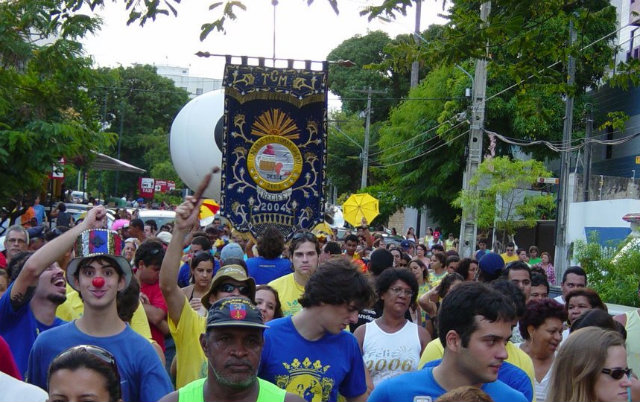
x=194, y=392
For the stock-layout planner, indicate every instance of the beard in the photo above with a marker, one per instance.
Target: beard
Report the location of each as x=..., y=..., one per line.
x=237, y=385
x=57, y=299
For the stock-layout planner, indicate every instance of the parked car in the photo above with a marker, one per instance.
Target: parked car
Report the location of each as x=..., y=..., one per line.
x=160, y=216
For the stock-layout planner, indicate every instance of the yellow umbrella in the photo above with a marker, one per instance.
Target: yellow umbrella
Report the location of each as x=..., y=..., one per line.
x=322, y=229
x=358, y=206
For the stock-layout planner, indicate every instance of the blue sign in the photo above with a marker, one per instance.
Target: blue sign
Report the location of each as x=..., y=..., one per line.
x=274, y=148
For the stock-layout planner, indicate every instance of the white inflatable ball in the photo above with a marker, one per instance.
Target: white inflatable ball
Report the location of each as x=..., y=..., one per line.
x=193, y=146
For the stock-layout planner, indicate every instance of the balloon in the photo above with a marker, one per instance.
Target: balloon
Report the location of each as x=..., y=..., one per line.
x=195, y=141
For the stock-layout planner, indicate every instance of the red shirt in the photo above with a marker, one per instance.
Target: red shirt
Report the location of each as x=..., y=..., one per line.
x=156, y=300
x=7, y=363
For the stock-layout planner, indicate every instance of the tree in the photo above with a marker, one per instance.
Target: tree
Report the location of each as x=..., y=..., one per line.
x=45, y=113
x=147, y=104
x=370, y=70
x=422, y=145
x=503, y=197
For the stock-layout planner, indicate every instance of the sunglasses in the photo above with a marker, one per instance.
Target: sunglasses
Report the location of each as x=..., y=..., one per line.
x=617, y=373
x=230, y=287
x=98, y=352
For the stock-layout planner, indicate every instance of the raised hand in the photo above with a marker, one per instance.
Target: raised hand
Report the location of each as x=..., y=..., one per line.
x=96, y=218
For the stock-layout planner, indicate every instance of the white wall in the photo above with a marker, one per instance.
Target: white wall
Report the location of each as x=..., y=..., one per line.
x=606, y=214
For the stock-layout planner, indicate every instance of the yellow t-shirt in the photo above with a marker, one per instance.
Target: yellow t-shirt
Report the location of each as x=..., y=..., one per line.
x=516, y=356
x=191, y=363
x=73, y=308
x=289, y=291
x=508, y=259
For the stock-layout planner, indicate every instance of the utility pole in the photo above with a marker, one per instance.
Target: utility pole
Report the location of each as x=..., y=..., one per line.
x=586, y=161
x=365, y=149
x=561, y=257
x=119, y=142
x=469, y=225
x=415, y=78
x=415, y=66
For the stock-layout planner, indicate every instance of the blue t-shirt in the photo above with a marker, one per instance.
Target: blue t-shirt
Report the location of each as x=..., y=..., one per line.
x=264, y=271
x=421, y=386
x=185, y=273
x=315, y=370
x=510, y=374
x=142, y=376
x=40, y=213
x=20, y=329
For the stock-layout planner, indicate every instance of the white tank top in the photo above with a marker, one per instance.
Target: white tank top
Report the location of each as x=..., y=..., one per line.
x=388, y=355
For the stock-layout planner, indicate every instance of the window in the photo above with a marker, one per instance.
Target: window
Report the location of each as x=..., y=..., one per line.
x=199, y=90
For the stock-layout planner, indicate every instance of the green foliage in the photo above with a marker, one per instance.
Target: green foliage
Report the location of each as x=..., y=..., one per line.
x=388, y=202
x=365, y=51
x=421, y=146
x=45, y=113
x=501, y=194
x=615, y=280
x=147, y=104
x=344, y=166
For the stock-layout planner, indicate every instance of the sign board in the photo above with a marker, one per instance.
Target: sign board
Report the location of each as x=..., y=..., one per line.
x=638, y=160
x=146, y=187
x=548, y=180
x=57, y=170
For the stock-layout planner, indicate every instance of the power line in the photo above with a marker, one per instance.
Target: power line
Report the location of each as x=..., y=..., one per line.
x=426, y=152
x=387, y=156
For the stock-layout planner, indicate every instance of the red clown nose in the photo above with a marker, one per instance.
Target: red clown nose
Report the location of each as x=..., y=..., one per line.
x=98, y=282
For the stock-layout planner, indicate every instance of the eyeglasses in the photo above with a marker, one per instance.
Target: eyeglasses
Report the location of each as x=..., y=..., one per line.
x=398, y=291
x=617, y=373
x=230, y=287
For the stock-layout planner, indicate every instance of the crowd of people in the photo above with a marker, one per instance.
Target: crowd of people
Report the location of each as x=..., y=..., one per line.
x=191, y=313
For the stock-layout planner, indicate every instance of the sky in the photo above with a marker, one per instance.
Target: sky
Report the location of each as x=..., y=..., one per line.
x=302, y=32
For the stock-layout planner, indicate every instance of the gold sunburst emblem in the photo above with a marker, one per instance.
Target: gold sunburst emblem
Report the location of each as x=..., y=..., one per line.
x=275, y=122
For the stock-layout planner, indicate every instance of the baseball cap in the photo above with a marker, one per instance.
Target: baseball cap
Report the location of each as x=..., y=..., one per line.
x=234, y=312
x=164, y=237
x=231, y=250
x=96, y=243
x=233, y=271
x=405, y=244
x=491, y=263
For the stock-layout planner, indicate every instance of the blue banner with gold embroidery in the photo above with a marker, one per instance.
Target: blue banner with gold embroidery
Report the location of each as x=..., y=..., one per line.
x=274, y=148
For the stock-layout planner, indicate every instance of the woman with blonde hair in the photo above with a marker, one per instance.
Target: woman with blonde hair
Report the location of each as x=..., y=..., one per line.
x=591, y=366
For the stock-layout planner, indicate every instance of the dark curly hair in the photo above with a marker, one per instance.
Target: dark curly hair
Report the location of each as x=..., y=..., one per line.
x=337, y=281
x=271, y=243
x=389, y=276
x=463, y=267
x=538, y=311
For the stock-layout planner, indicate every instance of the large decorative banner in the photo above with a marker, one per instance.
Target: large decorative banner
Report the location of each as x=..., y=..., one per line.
x=274, y=148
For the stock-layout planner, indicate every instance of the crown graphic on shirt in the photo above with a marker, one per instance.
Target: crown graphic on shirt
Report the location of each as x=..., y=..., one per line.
x=306, y=367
